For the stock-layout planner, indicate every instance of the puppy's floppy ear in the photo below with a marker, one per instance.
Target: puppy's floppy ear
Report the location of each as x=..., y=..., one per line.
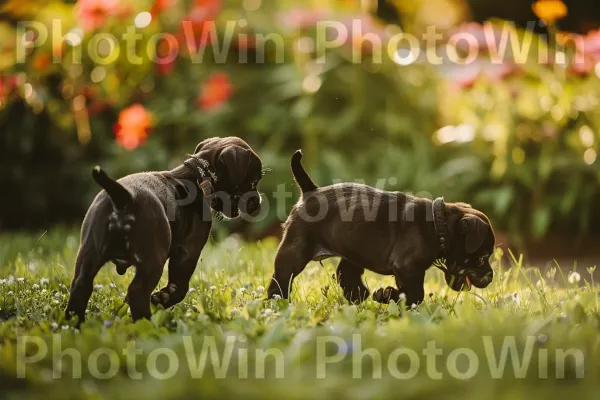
x=200, y=145
x=475, y=230
x=235, y=160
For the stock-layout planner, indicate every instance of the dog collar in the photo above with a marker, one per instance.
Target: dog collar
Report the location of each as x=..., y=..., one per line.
x=439, y=222
x=205, y=177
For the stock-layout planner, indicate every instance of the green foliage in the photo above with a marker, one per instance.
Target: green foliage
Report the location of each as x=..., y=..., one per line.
x=523, y=162
x=543, y=310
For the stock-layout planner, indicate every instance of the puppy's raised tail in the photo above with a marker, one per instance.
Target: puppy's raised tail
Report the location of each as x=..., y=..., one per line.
x=302, y=179
x=120, y=221
x=120, y=196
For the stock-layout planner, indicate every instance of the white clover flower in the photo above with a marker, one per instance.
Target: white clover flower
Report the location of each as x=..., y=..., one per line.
x=253, y=294
x=54, y=325
x=213, y=288
x=20, y=280
x=516, y=298
x=191, y=290
x=98, y=287
x=2, y=281
x=44, y=291
x=242, y=290
x=35, y=286
x=44, y=281
x=403, y=296
x=541, y=285
x=10, y=293
x=574, y=277
x=260, y=289
x=10, y=279
x=267, y=312
x=112, y=285
x=65, y=327
x=276, y=297
x=413, y=306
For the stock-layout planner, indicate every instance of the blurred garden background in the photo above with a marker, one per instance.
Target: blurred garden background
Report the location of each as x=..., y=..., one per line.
x=517, y=138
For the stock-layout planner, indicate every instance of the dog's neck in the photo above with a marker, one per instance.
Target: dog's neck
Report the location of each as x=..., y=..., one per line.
x=199, y=171
x=439, y=223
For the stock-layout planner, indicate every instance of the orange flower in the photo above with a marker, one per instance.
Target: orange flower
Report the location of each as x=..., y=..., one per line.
x=92, y=14
x=42, y=61
x=215, y=91
x=133, y=126
x=550, y=10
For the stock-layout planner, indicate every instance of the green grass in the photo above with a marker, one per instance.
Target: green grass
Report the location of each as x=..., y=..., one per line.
x=541, y=312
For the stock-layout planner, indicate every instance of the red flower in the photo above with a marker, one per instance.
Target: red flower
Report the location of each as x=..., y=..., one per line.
x=133, y=126
x=92, y=14
x=160, y=5
x=7, y=85
x=195, y=27
x=215, y=91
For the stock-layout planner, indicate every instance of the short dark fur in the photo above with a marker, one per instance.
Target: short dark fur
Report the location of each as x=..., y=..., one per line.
x=404, y=246
x=140, y=220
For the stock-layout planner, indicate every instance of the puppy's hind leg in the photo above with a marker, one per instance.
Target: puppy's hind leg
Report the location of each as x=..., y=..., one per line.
x=147, y=276
x=291, y=259
x=87, y=265
x=349, y=276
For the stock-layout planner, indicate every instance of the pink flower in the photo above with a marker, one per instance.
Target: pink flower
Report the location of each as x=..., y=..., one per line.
x=92, y=14
x=361, y=29
x=215, y=91
x=301, y=17
x=588, y=53
x=465, y=75
x=485, y=37
x=133, y=126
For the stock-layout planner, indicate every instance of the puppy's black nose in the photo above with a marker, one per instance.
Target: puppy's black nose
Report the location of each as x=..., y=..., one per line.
x=252, y=205
x=487, y=278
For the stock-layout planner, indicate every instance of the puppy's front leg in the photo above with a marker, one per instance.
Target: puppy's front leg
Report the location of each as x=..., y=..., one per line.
x=409, y=283
x=181, y=269
x=349, y=276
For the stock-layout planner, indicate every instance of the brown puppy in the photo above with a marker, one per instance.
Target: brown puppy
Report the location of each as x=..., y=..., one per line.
x=146, y=218
x=390, y=233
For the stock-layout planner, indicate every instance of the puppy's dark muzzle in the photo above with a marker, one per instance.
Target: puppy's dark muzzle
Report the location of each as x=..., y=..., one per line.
x=482, y=280
x=465, y=278
x=250, y=204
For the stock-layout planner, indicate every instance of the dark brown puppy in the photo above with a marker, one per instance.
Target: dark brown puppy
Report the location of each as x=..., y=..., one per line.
x=390, y=233
x=144, y=219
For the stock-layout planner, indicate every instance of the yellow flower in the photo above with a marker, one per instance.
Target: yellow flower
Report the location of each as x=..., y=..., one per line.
x=550, y=10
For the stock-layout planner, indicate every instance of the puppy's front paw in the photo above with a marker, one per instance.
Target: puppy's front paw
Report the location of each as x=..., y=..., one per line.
x=161, y=298
x=356, y=295
x=384, y=296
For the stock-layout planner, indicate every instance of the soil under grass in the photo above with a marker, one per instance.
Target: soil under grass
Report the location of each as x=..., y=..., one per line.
x=225, y=341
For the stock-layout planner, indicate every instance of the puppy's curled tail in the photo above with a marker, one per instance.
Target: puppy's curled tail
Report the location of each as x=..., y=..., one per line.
x=302, y=179
x=120, y=196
